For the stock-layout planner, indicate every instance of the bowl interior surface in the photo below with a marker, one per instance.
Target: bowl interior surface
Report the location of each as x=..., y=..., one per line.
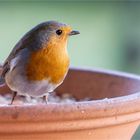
x=96, y=84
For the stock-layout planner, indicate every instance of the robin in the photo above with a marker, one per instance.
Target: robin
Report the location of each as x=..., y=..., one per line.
x=39, y=62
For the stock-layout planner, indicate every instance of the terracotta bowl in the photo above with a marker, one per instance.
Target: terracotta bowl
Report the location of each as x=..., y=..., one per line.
x=114, y=113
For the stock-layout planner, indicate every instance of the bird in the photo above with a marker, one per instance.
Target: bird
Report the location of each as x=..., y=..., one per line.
x=39, y=62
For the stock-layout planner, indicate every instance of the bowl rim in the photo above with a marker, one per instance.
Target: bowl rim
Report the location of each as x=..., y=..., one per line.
x=62, y=117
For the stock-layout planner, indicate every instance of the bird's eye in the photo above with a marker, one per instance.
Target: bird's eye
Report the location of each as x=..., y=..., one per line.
x=59, y=32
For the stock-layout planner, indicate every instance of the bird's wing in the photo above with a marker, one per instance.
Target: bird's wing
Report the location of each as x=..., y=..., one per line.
x=19, y=46
x=24, y=42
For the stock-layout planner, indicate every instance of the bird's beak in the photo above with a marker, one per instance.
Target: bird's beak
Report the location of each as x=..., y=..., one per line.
x=74, y=33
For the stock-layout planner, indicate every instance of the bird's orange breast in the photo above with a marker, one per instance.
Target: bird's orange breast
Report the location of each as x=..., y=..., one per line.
x=49, y=63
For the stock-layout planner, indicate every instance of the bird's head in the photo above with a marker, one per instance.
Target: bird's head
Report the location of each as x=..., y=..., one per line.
x=52, y=32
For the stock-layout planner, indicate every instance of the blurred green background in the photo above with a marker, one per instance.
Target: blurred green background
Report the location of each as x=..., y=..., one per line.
x=110, y=31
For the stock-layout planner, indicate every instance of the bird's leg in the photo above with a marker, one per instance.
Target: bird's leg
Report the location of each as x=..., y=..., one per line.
x=14, y=95
x=45, y=99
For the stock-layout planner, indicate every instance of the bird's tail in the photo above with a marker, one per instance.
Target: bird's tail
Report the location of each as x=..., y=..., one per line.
x=2, y=81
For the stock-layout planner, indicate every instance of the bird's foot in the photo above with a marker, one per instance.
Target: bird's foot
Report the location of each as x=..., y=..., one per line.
x=45, y=99
x=14, y=95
